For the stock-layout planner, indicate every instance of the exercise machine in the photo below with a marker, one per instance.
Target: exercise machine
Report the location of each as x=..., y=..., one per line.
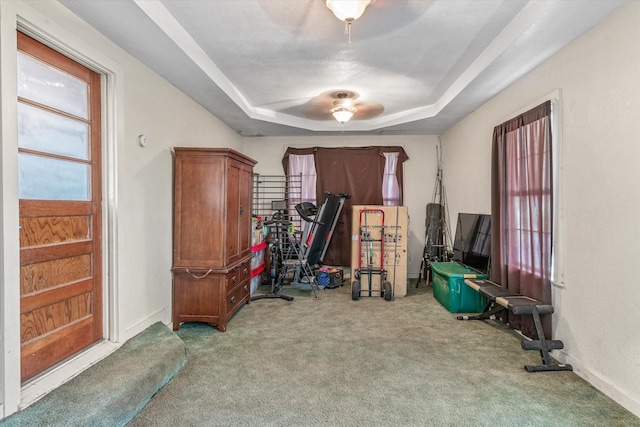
x=278, y=232
x=311, y=248
x=500, y=299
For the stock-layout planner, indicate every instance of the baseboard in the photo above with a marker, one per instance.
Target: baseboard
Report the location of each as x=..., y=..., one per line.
x=606, y=387
x=143, y=324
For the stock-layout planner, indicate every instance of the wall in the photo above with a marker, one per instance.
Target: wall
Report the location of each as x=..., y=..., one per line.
x=419, y=172
x=137, y=186
x=168, y=118
x=596, y=306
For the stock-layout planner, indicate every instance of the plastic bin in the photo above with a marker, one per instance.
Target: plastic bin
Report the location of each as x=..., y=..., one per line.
x=256, y=277
x=257, y=264
x=258, y=255
x=450, y=290
x=329, y=278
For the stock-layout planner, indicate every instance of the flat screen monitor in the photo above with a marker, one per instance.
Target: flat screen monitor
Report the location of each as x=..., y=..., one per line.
x=472, y=244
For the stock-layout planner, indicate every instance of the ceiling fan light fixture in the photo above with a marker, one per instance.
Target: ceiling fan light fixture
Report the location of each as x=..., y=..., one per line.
x=343, y=113
x=347, y=10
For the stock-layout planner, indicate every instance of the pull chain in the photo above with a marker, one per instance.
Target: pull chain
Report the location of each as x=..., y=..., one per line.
x=347, y=28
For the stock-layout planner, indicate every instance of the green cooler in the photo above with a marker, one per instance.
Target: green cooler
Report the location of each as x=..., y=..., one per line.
x=450, y=290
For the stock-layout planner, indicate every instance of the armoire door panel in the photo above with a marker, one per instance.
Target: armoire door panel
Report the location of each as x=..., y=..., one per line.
x=233, y=212
x=245, y=197
x=199, y=195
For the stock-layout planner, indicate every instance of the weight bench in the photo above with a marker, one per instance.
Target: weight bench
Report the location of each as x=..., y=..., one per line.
x=500, y=299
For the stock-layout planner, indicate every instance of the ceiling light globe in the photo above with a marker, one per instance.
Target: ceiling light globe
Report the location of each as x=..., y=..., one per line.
x=343, y=115
x=347, y=10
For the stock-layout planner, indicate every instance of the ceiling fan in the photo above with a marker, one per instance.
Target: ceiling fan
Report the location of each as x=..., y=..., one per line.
x=341, y=105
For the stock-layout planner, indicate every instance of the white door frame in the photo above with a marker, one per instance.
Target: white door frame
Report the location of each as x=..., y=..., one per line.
x=19, y=15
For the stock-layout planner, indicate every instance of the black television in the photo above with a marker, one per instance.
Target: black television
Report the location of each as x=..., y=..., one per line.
x=472, y=244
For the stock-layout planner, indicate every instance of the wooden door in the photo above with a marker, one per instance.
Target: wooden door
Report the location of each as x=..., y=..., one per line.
x=239, y=192
x=245, y=193
x=60, y=207
x=233, y=211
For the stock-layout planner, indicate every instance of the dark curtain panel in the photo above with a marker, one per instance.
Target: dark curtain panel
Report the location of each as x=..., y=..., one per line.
x=355, y=171
x=521, y=208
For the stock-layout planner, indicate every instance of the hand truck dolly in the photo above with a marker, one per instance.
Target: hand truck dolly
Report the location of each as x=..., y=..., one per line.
x=368, y=236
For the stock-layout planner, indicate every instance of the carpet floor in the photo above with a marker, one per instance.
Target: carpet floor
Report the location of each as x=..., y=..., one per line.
x=114, y=390
x=332, y=361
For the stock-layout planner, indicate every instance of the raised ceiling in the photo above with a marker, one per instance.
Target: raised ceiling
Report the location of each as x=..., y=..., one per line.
x=259, y=65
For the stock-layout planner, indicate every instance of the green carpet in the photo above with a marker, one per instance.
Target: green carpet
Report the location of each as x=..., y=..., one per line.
x=336, y=362
x=112, y=391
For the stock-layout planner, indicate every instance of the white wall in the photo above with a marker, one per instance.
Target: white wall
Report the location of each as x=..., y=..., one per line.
x=168, y=118
x=419, y=172
x=137, y=185
x=597, y=307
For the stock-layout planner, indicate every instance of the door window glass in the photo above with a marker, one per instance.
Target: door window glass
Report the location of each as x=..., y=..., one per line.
x=52, y=179
x=52, y=133
x=44, y=84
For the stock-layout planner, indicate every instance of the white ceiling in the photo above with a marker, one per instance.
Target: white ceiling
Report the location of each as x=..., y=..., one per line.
x=257, y=64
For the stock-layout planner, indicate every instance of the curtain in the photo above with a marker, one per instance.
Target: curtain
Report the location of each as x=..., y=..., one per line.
x=390, y=186
x=521, y=210
x=305, y=166
x=302, y=167
x=358, y=172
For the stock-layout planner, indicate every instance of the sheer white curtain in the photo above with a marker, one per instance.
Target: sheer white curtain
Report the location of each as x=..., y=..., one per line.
x=390, y=185
x=305, y=165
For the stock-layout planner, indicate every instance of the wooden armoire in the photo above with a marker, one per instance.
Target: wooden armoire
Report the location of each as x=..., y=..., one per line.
x=212, y=234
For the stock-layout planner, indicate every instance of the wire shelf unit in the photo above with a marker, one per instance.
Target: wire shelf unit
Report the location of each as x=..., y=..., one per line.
x=268, y=190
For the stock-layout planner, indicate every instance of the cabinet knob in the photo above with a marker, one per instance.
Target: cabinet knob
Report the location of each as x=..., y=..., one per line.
x=245, y=288
x=246, y=271
x=233, y=279
x=233, y=299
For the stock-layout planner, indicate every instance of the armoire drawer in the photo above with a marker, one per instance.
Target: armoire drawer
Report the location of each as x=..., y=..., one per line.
x=238, y=287
x=238, y=296
x=237, y=275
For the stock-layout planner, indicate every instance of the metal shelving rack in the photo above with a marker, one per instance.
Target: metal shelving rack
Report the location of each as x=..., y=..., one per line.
x=273, y=188
x=278, y=188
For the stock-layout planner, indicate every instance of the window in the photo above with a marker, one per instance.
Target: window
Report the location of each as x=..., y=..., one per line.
x=390, y=185
x=522, y=208
x=357, y=171
x=53, y=132
x=528, y=197
x=304, y=165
